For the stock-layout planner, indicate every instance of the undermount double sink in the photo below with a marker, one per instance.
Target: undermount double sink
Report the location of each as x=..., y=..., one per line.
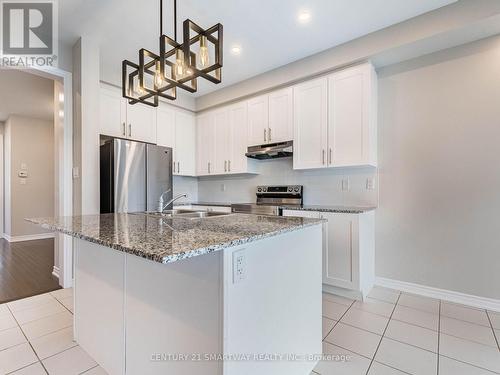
x=185, y=214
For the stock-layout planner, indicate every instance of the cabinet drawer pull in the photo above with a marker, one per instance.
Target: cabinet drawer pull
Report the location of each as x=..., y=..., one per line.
x=265, y=135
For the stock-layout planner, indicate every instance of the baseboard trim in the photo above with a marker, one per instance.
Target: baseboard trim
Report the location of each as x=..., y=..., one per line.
x=55, y=271
x=443, y=294
x=28, y=237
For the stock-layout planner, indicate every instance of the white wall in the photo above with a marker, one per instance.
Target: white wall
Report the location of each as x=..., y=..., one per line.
x=321, y=186
x=28, y=141
x=439, y=136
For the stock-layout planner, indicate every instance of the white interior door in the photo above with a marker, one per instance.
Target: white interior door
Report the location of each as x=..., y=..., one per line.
x=310, y=124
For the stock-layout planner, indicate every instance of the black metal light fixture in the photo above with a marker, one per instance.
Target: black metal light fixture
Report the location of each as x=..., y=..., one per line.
x=177, y=66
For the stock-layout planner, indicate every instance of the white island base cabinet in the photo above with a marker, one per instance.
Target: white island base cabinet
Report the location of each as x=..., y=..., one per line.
x=135, y=316
x=348, y=251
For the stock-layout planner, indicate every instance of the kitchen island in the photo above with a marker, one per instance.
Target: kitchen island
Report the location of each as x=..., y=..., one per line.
x=225, y=295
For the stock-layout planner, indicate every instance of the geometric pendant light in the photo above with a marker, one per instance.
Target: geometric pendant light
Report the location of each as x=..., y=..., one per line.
x=178, y=65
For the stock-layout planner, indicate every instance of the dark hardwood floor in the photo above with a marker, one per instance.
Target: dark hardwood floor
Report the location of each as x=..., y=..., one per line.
x=26, y=269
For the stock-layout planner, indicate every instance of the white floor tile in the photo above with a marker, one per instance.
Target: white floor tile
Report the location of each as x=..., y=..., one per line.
x=11, y=337
x=420, y=303
x=365, y=320
x=416, y=317
x=341, y=361
x=384, y=294
x=70, y=362
x=327, y=326
x=53, y=343
x=16, y=357
x=468, y=314
x=67, y=303
x=47, y=325
x=7, y=321
x=380, y=369
x=495, y=319
x=100, y=371
x=337, y=299
x=30, y=302
x=407, y=358
x=34, y=369
x=470, y=352
x=62, y=293
x=375, y=306
x=354, y=339
x=468, y=331
x=411, y=334
x=449, y=366
x=333, y=310
x=38, y=312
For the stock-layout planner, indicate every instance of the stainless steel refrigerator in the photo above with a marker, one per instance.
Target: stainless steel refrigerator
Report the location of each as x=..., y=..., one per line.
x=133, y=175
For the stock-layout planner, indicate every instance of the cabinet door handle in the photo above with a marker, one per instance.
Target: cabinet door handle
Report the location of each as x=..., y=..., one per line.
x=124, y=129
x=130, y=130
x=229, y=165
x=269, y=134
x=265, y=135
x=209, y=167
x=174, y=166
x=225, y=165
x=178, y=167
x=323, y=156
x=330, y=156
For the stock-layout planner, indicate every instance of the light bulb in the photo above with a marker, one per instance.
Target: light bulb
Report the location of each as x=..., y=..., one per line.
x=158, y=75
x=204, y=56
x=139, y=90
x=179, y=64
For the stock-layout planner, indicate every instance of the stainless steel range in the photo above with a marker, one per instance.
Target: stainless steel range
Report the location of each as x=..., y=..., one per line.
x=270, y=199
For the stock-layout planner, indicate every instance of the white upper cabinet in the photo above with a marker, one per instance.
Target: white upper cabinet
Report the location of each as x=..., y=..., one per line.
x=222, y=141
x=270, y=118
x=184, y=161
x=310, y=113
x=280, y=116
x=165, y=126
x=258, y=120
x=335, y=120
x=352, y=101
x=120, y=119
x=205, y=130
x=113, y=116
x=238, y=123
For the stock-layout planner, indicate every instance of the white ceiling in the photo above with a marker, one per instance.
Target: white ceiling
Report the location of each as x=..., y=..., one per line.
x=267, y=30
x=25, y=94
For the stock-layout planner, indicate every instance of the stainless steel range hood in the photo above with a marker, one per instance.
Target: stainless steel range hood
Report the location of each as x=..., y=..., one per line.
x=271, y=151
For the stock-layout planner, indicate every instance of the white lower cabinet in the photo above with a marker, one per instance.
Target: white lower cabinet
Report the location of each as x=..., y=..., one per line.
x=348, y=251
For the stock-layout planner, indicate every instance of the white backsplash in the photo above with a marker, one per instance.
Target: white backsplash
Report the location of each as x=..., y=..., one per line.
x=321, y=186
x=186, y=185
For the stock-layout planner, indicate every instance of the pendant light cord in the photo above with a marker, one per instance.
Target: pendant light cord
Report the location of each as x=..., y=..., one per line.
x=161, y=17
x=175, y=19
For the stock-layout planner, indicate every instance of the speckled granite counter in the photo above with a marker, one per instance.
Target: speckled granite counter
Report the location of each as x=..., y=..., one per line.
x=169, y=240
x=320, y=208
x=338, y=209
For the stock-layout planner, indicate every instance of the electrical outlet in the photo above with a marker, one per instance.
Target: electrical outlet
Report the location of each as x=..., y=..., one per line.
x=345, y=184
x=370, y=183
x=239, y=266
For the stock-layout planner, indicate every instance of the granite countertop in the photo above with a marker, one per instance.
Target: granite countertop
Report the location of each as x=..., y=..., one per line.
x=320, y=208
x=167, y=240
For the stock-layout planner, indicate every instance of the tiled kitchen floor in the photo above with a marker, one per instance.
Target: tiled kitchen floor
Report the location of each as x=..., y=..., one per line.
x=390, y=333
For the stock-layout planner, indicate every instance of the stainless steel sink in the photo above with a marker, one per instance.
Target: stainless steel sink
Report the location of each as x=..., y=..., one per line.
x=183, y=214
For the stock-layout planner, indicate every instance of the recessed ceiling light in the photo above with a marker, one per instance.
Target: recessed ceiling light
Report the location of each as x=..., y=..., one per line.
x=235, y=50
x=304, y=16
